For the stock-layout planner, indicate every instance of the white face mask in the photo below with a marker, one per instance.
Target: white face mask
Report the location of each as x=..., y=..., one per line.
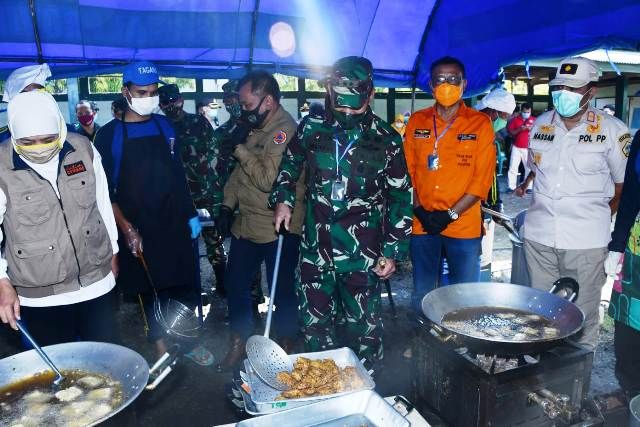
x=144, y=106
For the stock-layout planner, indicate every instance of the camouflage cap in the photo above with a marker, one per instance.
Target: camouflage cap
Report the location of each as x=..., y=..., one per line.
x=350, y=81
x=168, y=93
x=230, y=86
x=352, y=68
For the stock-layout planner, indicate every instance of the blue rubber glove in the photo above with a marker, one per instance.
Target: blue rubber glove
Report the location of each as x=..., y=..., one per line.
x=196, y=228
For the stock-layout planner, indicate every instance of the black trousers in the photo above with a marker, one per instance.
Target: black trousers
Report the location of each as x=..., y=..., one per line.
x=92, y=320
x=627, y=348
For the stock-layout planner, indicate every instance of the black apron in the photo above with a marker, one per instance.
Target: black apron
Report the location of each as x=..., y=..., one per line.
x=151, y=195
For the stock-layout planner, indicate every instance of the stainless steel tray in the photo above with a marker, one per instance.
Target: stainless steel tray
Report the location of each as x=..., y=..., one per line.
x=263, y=397
x=361, y=408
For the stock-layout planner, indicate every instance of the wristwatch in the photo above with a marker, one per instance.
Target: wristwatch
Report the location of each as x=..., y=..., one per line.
x=453, y=214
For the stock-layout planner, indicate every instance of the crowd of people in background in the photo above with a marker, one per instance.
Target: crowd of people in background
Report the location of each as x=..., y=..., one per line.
x=349, y=195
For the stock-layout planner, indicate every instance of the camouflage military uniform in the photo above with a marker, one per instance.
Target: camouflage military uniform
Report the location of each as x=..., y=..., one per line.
x=199, y=151
x=343, y=239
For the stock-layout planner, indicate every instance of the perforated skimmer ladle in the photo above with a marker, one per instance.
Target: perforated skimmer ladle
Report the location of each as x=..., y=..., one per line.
x=265, y=355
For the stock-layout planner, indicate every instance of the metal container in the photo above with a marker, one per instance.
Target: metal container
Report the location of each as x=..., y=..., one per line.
x=360, y=408
x=634, y=412
x=263, y=398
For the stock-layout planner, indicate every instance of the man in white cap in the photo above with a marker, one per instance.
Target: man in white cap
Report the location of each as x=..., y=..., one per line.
x=25, y=79
x=59, y=260
x=577, y=157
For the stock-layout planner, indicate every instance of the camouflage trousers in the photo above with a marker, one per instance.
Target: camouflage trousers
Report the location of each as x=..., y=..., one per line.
x=341, y=309
x=215, y=247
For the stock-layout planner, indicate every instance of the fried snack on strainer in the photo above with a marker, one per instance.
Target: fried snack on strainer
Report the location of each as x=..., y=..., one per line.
x=318, y=378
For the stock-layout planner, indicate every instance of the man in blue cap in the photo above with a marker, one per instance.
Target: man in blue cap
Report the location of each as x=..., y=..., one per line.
x=151, y=202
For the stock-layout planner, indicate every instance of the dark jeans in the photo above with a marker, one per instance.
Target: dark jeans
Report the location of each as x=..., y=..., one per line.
x=627, y=348
x=92, y=320
x=245, y=258
x=463, y=261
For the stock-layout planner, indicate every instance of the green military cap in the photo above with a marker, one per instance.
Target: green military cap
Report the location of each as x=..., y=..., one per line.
x=350, y=81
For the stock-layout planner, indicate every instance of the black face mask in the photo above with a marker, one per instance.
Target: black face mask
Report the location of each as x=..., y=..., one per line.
x=172, y=110
x=252, y=117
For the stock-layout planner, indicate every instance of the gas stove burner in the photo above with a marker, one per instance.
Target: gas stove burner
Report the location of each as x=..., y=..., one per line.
x=496, y=363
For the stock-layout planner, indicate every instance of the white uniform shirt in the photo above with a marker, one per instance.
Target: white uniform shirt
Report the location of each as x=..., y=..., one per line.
x=575, y=174
x=49, y=171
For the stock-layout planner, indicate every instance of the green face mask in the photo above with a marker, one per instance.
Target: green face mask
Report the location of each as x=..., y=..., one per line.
x=348, y=121
x=499, y=124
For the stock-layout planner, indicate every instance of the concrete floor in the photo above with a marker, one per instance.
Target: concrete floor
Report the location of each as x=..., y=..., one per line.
x=197, y=396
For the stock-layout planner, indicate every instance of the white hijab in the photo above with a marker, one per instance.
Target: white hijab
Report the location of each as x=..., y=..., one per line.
x=35, y=113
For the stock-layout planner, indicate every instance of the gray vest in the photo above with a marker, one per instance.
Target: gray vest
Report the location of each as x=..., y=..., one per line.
x=53, y=246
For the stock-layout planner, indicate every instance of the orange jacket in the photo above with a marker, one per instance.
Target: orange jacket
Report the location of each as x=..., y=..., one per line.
x=467, y=161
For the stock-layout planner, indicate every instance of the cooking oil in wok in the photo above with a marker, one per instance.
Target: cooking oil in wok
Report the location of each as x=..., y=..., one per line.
x=500, y=324
x=83, y=399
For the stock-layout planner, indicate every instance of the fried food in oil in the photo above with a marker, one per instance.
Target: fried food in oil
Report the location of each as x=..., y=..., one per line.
x=318, y=378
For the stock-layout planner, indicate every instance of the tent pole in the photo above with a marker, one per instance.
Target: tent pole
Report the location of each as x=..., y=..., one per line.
x=254, y=25
x=413, y=97
x=36, y=33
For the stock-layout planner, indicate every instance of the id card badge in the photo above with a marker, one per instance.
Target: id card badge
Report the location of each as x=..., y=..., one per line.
x=433, y=163
x=338, y=189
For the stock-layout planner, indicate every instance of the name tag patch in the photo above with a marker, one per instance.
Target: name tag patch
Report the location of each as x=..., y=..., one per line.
x=543, y=136
x=422, y=133
x=74, y=168
x=467, y=136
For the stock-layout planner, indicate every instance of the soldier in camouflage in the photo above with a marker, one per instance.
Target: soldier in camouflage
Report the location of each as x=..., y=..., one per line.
x=199, y=151
x=358, y=216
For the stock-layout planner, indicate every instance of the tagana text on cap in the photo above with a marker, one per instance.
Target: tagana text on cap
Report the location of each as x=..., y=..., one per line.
x=576, y=72
x=141, y=73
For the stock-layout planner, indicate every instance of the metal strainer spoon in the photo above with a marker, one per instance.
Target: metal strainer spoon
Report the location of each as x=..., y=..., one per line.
x=265, y=355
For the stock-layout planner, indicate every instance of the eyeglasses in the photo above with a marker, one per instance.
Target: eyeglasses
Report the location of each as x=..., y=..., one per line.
x=454, y=79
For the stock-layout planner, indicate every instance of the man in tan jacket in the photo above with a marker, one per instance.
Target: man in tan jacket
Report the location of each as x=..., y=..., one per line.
x=253, y=239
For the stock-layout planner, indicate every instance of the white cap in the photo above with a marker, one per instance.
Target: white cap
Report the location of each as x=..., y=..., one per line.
x=499, y=100
x=34, y=113
x=576, y=72
x=23, y=77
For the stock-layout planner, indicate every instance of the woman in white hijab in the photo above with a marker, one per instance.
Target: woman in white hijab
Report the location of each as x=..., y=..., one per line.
x=59, y=264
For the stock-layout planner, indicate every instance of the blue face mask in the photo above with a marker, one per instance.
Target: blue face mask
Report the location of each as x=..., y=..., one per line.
x=566, y=103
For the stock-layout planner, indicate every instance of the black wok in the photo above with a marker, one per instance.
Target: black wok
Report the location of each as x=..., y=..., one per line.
x=563, y=315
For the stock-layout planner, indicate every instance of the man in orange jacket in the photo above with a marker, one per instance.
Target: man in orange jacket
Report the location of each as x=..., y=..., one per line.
x=451, y=158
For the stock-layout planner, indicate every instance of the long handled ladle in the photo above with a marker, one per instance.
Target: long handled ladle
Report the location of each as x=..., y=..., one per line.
x=59, y=378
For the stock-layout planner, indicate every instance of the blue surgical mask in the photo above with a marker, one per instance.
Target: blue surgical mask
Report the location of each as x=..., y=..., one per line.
x=566, y=103
x=526, y=115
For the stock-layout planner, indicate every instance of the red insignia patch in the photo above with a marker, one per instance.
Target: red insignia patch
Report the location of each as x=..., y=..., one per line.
x=74, y=168
x=280, y=137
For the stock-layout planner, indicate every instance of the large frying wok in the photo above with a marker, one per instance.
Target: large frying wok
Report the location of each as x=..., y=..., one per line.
x=562, y=313
x=120, y=363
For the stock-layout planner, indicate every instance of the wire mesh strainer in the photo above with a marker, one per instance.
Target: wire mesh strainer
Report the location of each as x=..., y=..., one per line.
x=266, y=357
x=173, y=316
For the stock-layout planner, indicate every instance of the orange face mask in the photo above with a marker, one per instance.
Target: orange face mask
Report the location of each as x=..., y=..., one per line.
x=447, y=94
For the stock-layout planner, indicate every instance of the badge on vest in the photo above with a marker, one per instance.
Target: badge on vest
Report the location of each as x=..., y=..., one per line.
x=467, y=137
x=422, y=133
x=280, y=137
x=75, y=168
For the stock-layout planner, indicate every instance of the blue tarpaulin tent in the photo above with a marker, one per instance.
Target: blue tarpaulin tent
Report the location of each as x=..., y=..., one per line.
x=218, y=38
